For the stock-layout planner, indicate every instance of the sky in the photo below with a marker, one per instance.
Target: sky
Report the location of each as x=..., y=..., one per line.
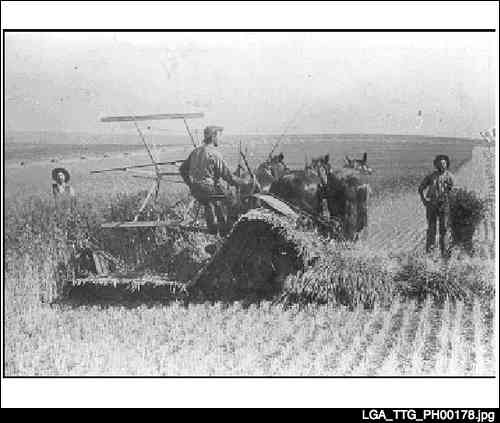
x=396, y=83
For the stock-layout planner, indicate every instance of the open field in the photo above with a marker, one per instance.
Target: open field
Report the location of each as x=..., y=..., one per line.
x=395, y=169
x=409, y=337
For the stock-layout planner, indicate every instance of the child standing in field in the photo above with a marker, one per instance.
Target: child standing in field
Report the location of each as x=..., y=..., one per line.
x=64, y=194
x=66, y=215
x=65, y=201
x=438, y=185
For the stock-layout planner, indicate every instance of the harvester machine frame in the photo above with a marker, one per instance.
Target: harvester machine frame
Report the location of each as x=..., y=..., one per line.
x=137, y=172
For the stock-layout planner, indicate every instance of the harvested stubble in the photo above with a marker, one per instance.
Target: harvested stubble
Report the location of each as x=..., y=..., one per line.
x=259, y=253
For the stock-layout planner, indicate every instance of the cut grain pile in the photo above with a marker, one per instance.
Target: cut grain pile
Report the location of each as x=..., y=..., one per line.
x=254, y=261
x=463, y=279
x=354, y=277
x=467, y=212
x=344, y=277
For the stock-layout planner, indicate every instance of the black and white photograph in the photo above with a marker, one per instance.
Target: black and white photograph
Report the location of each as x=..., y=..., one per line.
x=250, y=203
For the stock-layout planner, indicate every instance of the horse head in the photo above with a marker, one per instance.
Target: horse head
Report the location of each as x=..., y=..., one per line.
x=360, y=165
x=320, y=166
x=277, y=166
x=271, y=170
x=301, y=187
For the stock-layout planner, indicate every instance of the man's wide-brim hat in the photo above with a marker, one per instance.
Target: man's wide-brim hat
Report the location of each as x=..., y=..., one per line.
x=60, y=170
x=440, y=157
x=212, y=130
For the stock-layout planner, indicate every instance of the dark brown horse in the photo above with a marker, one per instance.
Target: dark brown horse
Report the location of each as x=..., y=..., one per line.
x=272, y=169
x=300, y=188
x=347, y=199
x=342, y=190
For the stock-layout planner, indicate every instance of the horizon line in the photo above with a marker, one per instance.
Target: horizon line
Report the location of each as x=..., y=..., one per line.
x=275, y=134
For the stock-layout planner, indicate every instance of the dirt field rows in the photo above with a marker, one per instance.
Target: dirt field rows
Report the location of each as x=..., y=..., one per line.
x=398, y=223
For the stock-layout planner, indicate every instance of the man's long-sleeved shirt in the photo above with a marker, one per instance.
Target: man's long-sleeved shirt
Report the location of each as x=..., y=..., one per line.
x=438, y=186
x=205, y=165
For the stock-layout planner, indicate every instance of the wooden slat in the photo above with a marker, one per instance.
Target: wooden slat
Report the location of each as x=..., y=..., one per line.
x=139, y=224
x=170, y=174
x=153, y=224
x=170, y=181
x=126, y=168
x=150, y=175
x=142, y=173
x=152, y=117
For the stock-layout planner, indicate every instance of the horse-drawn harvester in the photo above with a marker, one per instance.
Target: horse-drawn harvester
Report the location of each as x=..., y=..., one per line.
x=278, y=228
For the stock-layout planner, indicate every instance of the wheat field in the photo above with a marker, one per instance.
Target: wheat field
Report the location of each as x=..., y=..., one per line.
x=48, y=337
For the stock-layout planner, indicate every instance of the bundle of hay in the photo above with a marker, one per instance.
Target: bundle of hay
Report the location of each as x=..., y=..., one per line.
x=181, y=256
x=254, y=261
x=467, y=210
x=421, y=277
x=353, y=277
x=343, y=277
